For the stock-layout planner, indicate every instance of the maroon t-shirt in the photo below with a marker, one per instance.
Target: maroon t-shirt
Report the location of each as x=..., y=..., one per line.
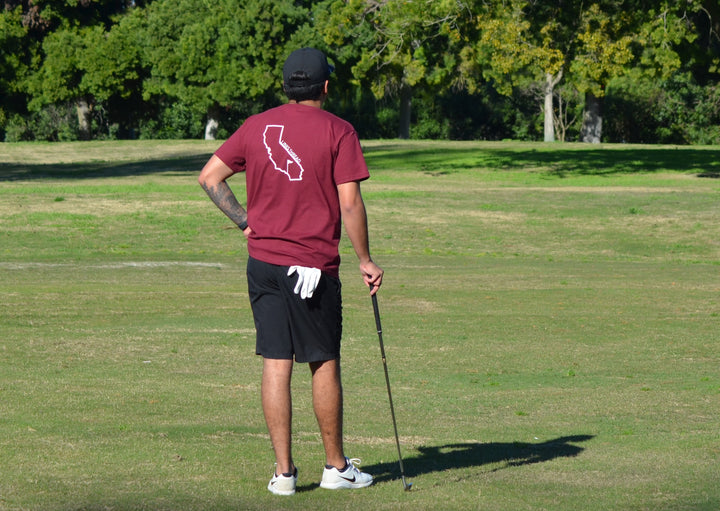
x=294, y=156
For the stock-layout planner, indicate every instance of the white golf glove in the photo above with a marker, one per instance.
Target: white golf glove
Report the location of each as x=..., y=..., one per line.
x=308, y=279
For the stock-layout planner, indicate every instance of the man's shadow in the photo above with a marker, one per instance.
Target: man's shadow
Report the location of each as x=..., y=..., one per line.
x=464, y=455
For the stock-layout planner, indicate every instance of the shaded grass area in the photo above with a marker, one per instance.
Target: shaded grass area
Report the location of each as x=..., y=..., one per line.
x=563, y=160
x=551, y=335
x=84, y=160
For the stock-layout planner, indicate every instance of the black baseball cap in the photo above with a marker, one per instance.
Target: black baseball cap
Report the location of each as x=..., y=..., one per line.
x=313, y=62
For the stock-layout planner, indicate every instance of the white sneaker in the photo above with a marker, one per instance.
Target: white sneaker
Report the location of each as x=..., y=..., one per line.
x=350, y=477
x=283, y=484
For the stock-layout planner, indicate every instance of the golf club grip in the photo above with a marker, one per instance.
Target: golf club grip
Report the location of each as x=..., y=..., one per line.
x=377, y=313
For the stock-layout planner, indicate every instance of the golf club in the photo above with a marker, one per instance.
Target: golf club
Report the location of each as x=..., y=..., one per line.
x=406, y=486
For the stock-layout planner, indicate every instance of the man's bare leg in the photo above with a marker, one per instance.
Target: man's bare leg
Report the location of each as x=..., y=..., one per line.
x=328, y=405
x=277, y=406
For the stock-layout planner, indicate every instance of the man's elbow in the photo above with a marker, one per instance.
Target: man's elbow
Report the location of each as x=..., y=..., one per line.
x=352, y=208
x=203, y=177
x=212, y=173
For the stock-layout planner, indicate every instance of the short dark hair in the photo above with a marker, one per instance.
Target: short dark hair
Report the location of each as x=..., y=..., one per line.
x=299, y=88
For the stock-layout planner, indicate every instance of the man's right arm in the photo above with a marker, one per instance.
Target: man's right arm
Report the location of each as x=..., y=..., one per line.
x=213, y=179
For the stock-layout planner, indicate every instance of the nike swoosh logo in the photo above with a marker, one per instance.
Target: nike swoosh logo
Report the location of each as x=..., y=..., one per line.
x=348, y=479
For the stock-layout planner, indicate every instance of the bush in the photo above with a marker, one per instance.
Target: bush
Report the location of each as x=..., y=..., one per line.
x=16, y=130
x=176, y=121
x=675, y=111
x=56, y=124
x=51, y=124
x=429, y=121
x=704, y=125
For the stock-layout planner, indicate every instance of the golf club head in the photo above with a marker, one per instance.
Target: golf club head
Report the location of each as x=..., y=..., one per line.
x=406, y=485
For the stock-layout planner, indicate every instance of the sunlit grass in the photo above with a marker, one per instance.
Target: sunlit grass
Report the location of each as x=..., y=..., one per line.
x=550, y=316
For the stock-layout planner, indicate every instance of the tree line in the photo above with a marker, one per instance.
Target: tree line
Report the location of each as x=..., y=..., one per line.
x=605, y=70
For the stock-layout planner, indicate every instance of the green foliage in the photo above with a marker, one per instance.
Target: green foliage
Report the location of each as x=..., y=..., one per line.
x=15, y=51
x=604, y=50
x=89, y=65
x=53, y=123
x=676, y=110
x=111, y=63
x=81, y=57
x=403, y=43
x=58, y=80
x=527, y=43
x=515, y=48
x=664, y=29
x=134, y=63
x=429, y=124
x=220, y=54
x=16, y=129
x=176, y=121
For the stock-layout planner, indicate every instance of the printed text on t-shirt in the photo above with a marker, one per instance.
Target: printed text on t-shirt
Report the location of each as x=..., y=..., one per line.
x=281, y=155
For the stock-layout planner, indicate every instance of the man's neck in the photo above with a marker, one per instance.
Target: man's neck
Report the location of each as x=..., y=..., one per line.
x=317, y=103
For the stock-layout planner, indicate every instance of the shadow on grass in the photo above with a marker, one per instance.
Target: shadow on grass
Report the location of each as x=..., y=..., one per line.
x=465, y=455
x=100, y=169
x=555, y=159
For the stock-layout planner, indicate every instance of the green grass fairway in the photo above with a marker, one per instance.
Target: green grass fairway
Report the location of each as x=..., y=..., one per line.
x=551, y=317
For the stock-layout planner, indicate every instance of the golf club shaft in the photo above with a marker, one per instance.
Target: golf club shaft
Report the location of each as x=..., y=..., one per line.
x=387, y=381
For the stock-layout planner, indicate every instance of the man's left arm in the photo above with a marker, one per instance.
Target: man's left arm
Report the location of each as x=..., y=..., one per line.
x=354, y=217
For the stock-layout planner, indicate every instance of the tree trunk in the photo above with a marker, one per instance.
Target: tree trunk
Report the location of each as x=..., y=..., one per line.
x=211, y=126
x=405, y=110
x=548, y=113
x=83, y=113
x=592, y=119
x=548, y=110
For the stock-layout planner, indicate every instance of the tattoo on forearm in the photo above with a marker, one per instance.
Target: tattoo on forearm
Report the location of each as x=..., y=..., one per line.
x=225, y=199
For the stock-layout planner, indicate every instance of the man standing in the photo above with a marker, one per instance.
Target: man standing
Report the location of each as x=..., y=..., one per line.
x=303, y=167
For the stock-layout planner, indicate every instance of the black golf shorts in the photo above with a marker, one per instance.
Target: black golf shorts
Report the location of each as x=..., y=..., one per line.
x=288, y=326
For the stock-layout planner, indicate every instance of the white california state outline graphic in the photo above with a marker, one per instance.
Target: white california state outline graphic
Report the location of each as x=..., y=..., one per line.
x=292, y=157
